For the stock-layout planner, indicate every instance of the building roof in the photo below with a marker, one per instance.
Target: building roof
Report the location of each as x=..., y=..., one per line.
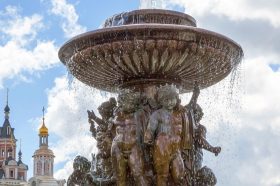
x=19, y=162
x=9, y=160
x=6, y=131
x=43, y=151
x=43, y=131
x=7, y=108
x=12, y=162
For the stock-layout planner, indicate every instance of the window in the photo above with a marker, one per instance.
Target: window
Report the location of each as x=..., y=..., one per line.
x=11, y=173
x=39, y=168
x=8, y=130
x=47, y=168
x=10, y=152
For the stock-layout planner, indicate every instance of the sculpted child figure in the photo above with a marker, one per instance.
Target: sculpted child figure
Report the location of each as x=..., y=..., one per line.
x=106, y=110
x=200, y=141
x=202, y=175
x=80, y=174
x=164, y=132
x=126, y=151
x=103, y=136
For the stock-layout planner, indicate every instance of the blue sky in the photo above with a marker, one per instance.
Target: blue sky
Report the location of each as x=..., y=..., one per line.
x=248, y=130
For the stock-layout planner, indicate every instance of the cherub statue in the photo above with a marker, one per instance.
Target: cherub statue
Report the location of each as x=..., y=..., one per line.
x=106, y=110
x=127, y=154
x=80, y=175
x=199, y=143
x=104, y=137
x=164, y=132
x=103, y=159
x=205, y=177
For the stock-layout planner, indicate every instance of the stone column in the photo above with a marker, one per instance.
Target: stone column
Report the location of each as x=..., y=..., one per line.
x=16, y=173
x=35, y=166
x=43, y=167
x=7, y=173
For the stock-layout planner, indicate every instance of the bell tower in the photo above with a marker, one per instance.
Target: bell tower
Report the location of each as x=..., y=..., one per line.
x=43, y=161
x=7, y=138
x=43, y=157
x=10, y=169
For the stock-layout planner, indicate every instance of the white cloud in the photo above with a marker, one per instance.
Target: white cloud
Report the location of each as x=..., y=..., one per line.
x=17, y=56
x=66, y=117
x=235, y=10
x=67, y=11
x=29, y=26
x=65, y=172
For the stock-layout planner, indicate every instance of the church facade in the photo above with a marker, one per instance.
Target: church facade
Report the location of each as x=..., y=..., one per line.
x=12, y=171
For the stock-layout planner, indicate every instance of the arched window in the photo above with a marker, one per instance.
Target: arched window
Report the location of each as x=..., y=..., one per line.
x=10, y=152
x=3, y=153
x=8, y=130
x=39, y=168
x=47, y=167
x=11, y=173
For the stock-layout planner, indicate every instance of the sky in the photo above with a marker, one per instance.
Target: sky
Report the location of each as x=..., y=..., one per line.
x=242, y=117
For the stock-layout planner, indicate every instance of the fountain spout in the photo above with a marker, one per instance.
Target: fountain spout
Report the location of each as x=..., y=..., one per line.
x=151, y=4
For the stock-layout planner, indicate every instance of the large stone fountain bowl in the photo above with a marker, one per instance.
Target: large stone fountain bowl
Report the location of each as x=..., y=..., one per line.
x=145, y=53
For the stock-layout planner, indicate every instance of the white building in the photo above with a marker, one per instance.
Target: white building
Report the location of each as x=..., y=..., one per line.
x=43, y=160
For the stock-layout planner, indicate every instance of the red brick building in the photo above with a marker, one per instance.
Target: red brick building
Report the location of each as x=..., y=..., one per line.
x=12, y=171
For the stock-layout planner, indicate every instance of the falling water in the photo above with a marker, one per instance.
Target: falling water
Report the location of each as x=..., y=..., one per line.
x=151, y=4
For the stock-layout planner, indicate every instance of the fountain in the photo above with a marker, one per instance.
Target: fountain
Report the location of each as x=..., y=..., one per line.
x=149, y=57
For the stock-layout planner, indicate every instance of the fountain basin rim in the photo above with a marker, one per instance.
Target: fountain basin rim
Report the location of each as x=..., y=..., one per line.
x=154, y=12
x=161, y=11
x=134, y=28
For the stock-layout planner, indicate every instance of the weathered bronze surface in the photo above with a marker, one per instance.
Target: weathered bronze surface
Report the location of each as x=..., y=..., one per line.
x=148, y=50
x=147, y=137
x=102, y=162
x=165, y=132
x=80, y=175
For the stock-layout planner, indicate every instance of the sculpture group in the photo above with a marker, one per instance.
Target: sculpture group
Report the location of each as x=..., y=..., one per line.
x=145, y=141
x=146, y=137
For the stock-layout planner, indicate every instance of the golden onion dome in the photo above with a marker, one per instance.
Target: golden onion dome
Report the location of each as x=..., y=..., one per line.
x=43, y=130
